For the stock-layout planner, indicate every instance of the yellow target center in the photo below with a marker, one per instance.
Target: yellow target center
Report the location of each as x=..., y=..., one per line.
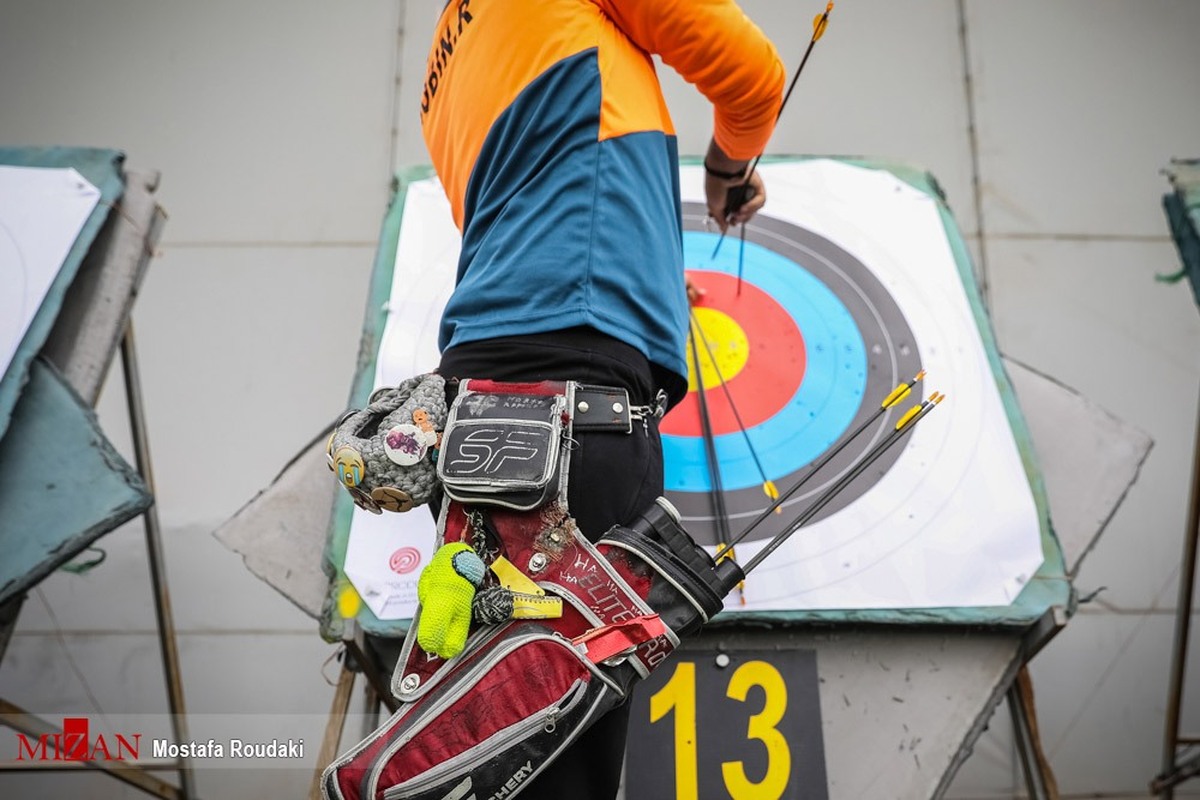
x=722, y=346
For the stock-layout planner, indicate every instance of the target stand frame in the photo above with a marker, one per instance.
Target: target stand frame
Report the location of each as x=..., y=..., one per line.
x=80, y=340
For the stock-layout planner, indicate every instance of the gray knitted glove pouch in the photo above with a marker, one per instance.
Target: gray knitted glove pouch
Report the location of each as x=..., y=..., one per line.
x=385, y=455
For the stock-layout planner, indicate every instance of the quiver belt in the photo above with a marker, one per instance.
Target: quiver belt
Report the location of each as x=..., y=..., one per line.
x=488, y=720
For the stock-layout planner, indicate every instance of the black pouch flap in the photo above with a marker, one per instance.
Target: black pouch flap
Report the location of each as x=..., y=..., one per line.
x=503, y=449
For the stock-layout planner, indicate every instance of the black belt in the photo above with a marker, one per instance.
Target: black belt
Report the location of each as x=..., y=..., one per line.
x=607, y=408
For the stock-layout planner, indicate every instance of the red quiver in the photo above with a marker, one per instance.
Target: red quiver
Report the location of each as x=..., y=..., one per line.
x=485, y=722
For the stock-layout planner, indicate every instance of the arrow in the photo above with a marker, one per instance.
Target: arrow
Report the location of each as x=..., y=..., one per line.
x=768, y=486
x=893, y=398
x=716, y=489
x=905, y=424
x=739, y=195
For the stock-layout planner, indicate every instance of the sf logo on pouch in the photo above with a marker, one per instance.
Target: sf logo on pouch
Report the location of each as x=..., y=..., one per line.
x=501, y=451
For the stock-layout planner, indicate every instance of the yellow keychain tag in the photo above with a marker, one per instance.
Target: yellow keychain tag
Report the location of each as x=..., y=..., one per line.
x=531, y=606
x=529, y=599
x=513, y=579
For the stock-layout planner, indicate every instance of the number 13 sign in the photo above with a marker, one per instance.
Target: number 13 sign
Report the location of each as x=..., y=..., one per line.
x=737, y=725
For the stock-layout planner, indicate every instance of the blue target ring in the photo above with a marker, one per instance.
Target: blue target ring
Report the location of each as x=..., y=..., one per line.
x=821, y=409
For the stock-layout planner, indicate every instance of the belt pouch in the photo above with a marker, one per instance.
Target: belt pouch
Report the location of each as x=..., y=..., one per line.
x=504, y=444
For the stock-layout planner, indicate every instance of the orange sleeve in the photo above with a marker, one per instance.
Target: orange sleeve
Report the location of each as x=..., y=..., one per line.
x=716, y=47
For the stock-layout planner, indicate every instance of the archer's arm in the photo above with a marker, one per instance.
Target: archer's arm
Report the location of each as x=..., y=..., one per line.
x=716, y=47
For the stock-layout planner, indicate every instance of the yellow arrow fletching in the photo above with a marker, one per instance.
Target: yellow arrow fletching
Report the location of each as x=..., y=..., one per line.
x=820, y=21
x=772, y=491
x=819, y=24
x=908, y=415
x=899, y=393
x=741, y=587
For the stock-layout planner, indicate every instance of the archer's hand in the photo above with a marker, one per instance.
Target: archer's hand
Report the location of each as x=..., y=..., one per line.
x=733, y=202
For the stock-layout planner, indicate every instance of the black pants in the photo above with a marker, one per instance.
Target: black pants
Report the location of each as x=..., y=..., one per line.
x=613, y=477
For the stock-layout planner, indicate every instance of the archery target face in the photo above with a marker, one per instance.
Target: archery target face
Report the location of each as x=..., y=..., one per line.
x=791, y=361
x=866, y=293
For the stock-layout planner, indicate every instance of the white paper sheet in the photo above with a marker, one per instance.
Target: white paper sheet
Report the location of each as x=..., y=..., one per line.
x=426, y=260
x=384, y=558
x=41, y=213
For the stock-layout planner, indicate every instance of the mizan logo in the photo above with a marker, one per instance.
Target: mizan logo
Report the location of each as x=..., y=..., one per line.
x=75, y=744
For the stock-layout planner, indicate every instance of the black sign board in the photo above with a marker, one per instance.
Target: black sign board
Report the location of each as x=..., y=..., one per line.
x=728, y=725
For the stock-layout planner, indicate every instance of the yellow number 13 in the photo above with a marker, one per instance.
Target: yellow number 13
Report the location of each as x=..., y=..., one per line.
x=679, y=694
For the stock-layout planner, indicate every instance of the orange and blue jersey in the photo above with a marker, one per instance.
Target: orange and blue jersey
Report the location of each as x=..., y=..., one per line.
x=548, y=129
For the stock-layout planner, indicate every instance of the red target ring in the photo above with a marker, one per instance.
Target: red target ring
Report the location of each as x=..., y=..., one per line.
x=758, y=349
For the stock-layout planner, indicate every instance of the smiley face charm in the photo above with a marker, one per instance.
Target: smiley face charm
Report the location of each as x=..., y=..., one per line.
x=350, y=467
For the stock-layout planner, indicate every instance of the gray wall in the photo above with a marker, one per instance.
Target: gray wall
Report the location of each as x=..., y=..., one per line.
x=277, y=125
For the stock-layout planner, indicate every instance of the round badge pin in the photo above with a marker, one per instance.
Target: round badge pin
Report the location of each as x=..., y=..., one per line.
x=405, y=444
x=363, y=500
x=389, y=498
x=350, y=467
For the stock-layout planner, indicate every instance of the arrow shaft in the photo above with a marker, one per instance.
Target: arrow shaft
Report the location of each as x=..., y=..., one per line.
x=837, y=487
x=825, y=459
x=896, y=395
x=818, y=31
x=728, y=395
x=716, y=489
